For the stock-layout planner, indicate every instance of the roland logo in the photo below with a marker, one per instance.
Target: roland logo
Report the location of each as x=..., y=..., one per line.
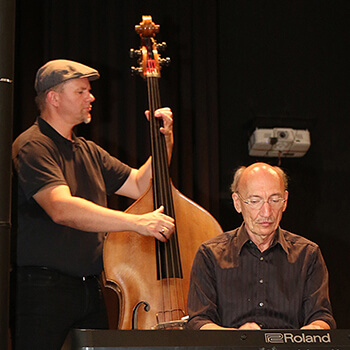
x=289, y=338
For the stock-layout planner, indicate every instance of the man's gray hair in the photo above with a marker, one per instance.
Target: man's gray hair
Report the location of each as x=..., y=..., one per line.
x=239, y=171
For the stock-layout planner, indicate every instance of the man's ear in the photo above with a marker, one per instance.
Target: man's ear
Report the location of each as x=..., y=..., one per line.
x=236, y=202
x=52, y=98
x=286, y=195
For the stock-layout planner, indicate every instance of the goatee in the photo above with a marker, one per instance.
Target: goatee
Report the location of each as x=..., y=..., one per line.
x=87, y=120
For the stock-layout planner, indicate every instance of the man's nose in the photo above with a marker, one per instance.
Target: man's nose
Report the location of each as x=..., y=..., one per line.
x=92, y=97
x=266, y=209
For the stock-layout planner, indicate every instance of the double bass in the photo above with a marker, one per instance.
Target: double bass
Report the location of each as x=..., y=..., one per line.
x=151, y=278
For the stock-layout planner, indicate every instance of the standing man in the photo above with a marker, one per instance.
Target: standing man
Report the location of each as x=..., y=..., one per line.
x=63, y=181
x=259, y=275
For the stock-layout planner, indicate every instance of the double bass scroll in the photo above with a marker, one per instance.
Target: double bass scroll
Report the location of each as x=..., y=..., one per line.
x=151, y=278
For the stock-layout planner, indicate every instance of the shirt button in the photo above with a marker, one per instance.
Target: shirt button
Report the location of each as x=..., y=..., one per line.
x=261, y=304
x=261, y=258
x=261, y=281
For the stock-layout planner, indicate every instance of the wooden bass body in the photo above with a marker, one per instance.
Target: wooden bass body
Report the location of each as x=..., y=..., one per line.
x=131, y=265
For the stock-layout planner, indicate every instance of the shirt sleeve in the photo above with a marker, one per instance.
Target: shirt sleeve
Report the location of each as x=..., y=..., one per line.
x=115, y=172
x=316, y=304
x=37, y=167
x=202, y=297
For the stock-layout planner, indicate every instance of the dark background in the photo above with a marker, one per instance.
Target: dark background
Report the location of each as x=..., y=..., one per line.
x=235, y=65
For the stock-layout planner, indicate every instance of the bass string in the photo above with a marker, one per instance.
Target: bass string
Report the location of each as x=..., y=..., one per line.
x=163, y=196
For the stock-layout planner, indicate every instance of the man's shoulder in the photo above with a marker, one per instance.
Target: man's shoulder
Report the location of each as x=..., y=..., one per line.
x=296, y=239
x=33, y=130
x=90, y=145
x=222, y=239
x=31, y=136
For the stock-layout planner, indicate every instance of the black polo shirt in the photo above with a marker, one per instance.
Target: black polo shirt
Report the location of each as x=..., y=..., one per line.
x=44, y=158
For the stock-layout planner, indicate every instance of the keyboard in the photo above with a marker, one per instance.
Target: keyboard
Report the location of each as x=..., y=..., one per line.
x=274, y=339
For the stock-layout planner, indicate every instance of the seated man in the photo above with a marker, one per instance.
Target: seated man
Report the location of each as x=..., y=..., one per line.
x=259, y=275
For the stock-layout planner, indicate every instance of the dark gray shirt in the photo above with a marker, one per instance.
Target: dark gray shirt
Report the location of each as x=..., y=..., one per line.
x=232, y=283
x=43, y=158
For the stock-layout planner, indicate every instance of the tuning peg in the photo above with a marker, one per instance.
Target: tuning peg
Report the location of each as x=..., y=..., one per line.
x=165, y=62
x=135, y=53
x=161, y=46
x=135, y=70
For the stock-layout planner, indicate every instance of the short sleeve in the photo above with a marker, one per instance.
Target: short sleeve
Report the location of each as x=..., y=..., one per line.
x=37, y=166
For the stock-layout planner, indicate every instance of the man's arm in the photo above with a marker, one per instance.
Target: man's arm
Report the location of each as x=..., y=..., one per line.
x=214, y=326
x=202, y=294
x=81, y=214
x=317, y=307
x=317, y=325
x=252, y=325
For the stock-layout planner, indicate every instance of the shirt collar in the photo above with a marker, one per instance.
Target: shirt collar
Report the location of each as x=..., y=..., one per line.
x=243, y=238
x=49, y=131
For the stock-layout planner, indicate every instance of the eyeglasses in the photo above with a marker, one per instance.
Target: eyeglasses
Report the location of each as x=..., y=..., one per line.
x=257, y=202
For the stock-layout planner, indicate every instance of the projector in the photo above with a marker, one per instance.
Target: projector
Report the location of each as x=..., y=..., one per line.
x=279, y=142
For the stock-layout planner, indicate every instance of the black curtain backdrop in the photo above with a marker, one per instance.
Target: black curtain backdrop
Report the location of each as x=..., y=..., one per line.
x=235, y=65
